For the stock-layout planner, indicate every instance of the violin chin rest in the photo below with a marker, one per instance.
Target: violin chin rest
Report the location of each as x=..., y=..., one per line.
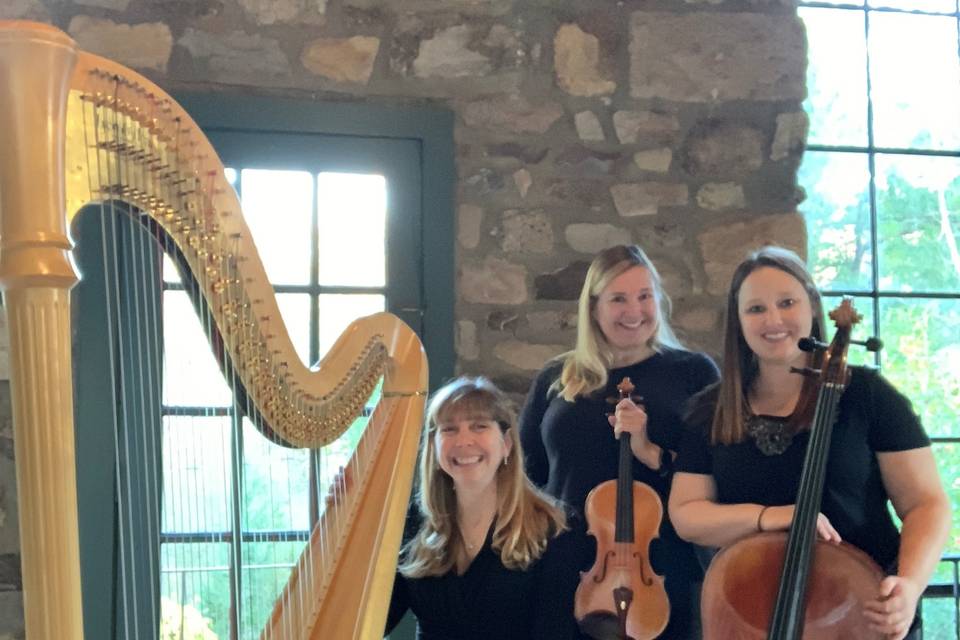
x=602, y=625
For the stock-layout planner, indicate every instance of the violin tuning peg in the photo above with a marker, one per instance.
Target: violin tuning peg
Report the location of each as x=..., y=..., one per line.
x=871, y=344
x=811, y=344
x=806, y=371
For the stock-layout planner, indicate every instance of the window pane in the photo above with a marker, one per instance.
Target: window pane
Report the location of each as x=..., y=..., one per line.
x=195, y=590
x=277, y=206
x=196, y=474
x=276, y=482
x=191, y=376
x=266, y=569
x=169, y=270
x=942, y=6
x=914, y=106
x=921, y=357
x=837, y=211
x=940, y=614
x=918, y=211
x=352, y=210
x=836, y=76
x=855, y=3
x=295, y=310
x=339, y=310
x=948, y=461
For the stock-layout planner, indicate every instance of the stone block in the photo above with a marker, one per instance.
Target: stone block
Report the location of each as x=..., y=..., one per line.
x=493, y=281
x=713, y=56
x=140, y=46
x=725, y=246
x=342, y=59
x=577, y=63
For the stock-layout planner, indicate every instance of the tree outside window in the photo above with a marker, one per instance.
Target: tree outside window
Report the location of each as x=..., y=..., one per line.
x=882, y=180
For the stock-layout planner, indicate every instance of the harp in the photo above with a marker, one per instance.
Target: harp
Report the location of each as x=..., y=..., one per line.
x=151, y=156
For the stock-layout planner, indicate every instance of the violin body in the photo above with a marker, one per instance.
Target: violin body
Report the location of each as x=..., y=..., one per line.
x=740, y=588
x=622, y=565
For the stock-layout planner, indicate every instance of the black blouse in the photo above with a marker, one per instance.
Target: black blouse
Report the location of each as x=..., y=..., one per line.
x=491, y=601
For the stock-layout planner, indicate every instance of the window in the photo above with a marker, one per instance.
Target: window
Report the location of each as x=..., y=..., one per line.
x=321, y=237
x=882, y=176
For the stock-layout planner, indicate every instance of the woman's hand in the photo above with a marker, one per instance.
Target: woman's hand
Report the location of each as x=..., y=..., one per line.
x=631, y=418
x=892, y=612
x=780, y=519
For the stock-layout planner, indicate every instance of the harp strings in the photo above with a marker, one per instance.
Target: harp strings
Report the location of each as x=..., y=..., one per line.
x=117, y=152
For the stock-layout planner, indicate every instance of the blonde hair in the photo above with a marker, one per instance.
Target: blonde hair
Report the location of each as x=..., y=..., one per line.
x=585, y=367
x=526, y=518
x=739, y=363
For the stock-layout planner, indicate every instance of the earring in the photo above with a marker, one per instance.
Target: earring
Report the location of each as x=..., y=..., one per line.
x=506, y=459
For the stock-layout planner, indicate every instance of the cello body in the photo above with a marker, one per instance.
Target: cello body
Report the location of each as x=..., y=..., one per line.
x=741, y=585
x=792, y=585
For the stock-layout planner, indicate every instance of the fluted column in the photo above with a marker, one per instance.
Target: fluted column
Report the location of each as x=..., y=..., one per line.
x=36, y=62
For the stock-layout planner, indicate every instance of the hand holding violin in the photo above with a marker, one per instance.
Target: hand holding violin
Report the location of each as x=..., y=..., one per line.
x=631, y=418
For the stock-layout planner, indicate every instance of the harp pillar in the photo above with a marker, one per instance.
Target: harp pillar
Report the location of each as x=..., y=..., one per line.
x=36, y=62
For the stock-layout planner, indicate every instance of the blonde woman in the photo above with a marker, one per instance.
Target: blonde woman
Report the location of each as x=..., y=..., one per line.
x=570, y=442
x=491, y=557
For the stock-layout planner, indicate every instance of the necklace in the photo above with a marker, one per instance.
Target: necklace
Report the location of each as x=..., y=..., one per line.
x=769, y=434
x=481, y=526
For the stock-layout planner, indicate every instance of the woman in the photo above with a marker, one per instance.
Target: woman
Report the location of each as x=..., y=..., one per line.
x=740, y=464
x=622, y=331
x=491, y=557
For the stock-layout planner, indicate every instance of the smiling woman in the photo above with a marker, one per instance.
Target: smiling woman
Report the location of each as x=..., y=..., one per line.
x=741, y=462
x=488, y=555
x=568, y=434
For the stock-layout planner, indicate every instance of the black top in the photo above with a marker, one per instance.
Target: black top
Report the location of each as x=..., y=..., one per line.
x=491, y=602
x=873, y=417
x=570, y=449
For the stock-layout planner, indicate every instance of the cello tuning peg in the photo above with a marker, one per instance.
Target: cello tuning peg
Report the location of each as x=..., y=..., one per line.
x=806, y=371
x=811, y=344
x=871, y=344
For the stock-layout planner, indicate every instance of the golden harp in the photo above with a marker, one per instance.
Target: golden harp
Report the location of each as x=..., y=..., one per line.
x=55, y=159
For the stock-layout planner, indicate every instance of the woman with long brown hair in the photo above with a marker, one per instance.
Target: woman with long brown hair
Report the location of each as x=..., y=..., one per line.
x=492, y=555
x=740, y=462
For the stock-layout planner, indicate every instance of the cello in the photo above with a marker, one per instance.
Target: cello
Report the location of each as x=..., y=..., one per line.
x=790, y=585
x=620, y=597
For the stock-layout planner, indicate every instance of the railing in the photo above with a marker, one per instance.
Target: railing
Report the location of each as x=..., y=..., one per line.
x=939, y=622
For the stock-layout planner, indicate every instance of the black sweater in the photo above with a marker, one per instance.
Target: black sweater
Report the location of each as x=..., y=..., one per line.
x=570, y=449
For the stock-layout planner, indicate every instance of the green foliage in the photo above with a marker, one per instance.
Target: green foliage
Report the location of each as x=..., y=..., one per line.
x=917, y=229
x=275, y=497
x=183, y=622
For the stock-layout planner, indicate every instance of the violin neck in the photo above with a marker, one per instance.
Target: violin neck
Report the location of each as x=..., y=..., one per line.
x=624, y=526
x=788, y=613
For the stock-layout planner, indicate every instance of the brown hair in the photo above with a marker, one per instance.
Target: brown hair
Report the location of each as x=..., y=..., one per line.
x=739, y=368
x=526, y=517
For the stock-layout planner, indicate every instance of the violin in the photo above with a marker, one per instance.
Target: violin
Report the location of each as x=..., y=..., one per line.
x=790, y=585
x=620, y=597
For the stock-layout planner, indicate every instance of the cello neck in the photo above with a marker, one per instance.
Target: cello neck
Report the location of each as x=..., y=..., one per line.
x=786, y=622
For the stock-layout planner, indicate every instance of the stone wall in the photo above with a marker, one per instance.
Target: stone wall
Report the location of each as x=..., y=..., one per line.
x=580, y=124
